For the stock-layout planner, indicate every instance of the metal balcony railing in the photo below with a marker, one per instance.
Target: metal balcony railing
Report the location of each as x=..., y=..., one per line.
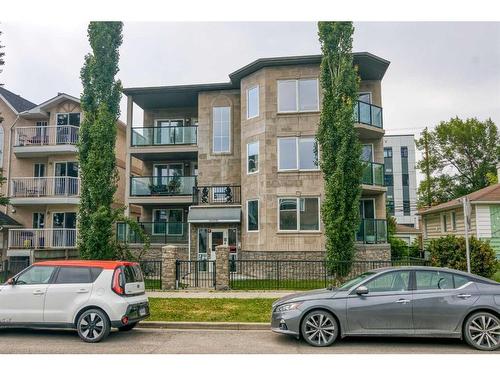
x=46, y=135
x=159, y=232
x=220, y=194
x=372, y=231
x=164, y=135
x=56, y=186
x=368, y=114
x=161, y=185
x=50, y=238
x=373, y=174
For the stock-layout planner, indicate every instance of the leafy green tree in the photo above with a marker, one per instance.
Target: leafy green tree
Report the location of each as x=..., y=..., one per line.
x=460, y=157
x=338, y=140
x=450, y=252
x=100, y=103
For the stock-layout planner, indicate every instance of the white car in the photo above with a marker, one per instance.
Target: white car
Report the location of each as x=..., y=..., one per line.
x=90, y=296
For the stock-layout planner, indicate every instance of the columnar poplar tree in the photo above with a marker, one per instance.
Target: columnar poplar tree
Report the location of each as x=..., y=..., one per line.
x=338, y=140
x=100, y=103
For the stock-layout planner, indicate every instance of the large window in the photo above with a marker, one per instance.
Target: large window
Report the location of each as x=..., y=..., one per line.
x=252, y=215
x=253, y=157
x=253, y=102
x=297, y=154
x=298, y=95
x=298, y=214
x=68, y=119
x=221, y=129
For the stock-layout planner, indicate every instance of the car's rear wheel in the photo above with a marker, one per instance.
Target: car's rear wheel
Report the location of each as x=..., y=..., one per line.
x=128, y=327
x=319, y=328
x=482, y=331
x=93, y=325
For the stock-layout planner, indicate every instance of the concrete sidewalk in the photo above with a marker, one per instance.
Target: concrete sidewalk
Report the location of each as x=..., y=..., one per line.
x=219, y=294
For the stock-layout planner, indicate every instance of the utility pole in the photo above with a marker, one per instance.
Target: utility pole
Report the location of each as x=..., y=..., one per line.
x=465, y=202
x=427, y=168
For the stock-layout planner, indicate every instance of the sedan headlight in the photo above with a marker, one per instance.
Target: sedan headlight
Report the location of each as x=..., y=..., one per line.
x=288, y=307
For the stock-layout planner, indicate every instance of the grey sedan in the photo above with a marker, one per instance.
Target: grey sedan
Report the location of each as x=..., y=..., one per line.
x=403, y=301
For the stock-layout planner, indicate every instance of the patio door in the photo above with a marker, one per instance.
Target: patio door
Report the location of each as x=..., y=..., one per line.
x=64, y=229
x=169, y=132
x=62, y=184
x=168, y=221
x=66, y=131
x=368, y=224
x=168, y=178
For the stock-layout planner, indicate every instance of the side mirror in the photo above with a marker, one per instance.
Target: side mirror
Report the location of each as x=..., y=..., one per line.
x=11, y=281
x=361, y=290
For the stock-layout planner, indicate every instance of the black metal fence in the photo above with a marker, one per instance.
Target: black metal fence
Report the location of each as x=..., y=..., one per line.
x=301, y=274
x=151, y=270
x=13, y=267
x=195, y=274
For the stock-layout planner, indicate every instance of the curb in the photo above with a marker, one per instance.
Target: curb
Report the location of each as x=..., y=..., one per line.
x=207, y=325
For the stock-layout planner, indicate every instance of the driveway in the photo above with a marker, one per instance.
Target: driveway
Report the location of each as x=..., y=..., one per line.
x=197, y=342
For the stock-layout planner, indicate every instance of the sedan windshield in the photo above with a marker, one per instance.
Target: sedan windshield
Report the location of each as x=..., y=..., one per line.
x=347, y=285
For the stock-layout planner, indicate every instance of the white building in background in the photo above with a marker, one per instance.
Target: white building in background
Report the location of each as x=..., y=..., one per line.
x=400, y=178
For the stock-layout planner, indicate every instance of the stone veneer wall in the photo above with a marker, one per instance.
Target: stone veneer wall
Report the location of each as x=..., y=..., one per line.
x=155, y=252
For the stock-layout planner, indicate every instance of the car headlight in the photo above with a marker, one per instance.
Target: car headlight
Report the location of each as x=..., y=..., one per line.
x=288, y=307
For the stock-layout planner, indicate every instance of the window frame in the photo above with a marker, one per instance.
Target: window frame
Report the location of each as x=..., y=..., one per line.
x=298, y=230
x=258, y=215
x=248, y=157
x=444, y=223
x=453, y=215
x=297, y=154
x=228, y=151
x=248, y=101
x=297, y=95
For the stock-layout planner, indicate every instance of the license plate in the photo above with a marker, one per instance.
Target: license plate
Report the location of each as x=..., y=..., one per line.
x=142, y=311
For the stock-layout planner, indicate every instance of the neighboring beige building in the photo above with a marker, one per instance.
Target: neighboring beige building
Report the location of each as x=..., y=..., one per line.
x=234, y=162
x=40, y=164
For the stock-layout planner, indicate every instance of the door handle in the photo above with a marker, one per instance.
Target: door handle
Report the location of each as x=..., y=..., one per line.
x=464, y=296
x=83, y=291
x=38, y=292
x=403, y=301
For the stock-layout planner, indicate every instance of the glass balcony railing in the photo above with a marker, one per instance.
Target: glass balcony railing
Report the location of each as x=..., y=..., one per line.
x=159, y=232
x=372, y=231
x=162, y=185
x=164, y=135
x=368, y=114
x=373, y=174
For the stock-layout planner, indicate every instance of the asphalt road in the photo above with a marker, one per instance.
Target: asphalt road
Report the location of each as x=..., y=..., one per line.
x=156, y=341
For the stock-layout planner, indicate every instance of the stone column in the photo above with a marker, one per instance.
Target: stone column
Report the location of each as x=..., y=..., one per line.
x=222, y=267
x=168, y=258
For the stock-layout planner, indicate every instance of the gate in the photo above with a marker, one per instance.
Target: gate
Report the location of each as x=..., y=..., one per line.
x=195, y=274
x=151, y=270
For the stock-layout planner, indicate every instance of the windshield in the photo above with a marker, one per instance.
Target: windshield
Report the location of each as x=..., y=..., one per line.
x=347, y=285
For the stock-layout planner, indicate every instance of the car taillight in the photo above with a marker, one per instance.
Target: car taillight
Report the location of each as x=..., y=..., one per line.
x=117, y=286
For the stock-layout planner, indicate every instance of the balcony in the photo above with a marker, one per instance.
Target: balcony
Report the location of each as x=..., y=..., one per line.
x=44, y=190
x=172, y=142
x=158, y=232
x=35, y=141
x=372, y=231
x=368, y=118
x=162, y=189
x=222, y=195
x=373, y=177
x=36, y=239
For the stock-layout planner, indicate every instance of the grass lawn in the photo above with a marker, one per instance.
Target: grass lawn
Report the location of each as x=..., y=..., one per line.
x=283, y=284
x=210, y=309
x=496, y=276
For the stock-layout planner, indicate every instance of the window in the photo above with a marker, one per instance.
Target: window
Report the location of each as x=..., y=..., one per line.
x=367, y=152
x=390, y=207
x=426, y=227
x=73, y=275
x=430, y=280
x=38, y=220
x=459, y=281
x=388, y=180
x=38, y=170
x=221, y=129
x=298, y=214
x=365, y=97
x=406, y=208
x=297, y=154
x=405, y=179
x=68, y=119
x=387, y=152
x=444, y=223
x=453, y=221
x=133, y=274
x=252, y=157
x=404, y=152
x=252, y=102
x=168, y=221
x=390, y=282
x=300, y=95
x=252, y=215
x=36, y=275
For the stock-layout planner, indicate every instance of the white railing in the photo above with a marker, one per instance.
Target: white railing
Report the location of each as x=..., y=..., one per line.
x=51, y=238
x=46, y=135
x=55, y=186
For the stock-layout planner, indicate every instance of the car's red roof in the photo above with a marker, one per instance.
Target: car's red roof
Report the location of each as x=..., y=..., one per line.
x=106, y=264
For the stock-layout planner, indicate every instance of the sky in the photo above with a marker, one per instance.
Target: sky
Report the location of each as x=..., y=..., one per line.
x=438, y=70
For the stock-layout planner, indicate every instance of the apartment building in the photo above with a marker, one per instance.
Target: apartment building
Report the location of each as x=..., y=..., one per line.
x=38, y=156
x=235, y=163
x=400, y=178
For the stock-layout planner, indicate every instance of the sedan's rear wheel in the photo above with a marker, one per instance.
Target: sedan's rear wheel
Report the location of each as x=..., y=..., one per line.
x=482, y=331
x=319, y=328
x=93, y=326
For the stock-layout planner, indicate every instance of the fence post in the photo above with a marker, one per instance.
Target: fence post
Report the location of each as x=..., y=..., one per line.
x=168, y=266
x=222, y=268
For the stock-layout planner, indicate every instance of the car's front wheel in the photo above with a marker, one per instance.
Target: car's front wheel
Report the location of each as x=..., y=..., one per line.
x=482, y=331
x=128, y=327
x=319, y=328
x=93, y=325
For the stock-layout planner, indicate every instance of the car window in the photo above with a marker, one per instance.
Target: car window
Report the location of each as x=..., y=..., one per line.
x=348, y=284
x=73, y=275
x=133, y=274
x=35, y=275
x=95, y=272
x=460, y=280
x=390, y=282
x=431, y=280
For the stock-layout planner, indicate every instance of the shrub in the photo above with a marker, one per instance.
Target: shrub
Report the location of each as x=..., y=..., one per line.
x=449, y=252
x=399, y=248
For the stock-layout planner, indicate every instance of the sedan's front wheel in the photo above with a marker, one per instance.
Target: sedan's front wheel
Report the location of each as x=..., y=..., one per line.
x=319, y=328
x=482, y=331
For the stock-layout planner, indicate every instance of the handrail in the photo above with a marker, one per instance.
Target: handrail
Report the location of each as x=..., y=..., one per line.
x=29, y=187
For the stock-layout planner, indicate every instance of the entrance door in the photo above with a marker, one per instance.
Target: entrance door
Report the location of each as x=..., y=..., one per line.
x=216, y=237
